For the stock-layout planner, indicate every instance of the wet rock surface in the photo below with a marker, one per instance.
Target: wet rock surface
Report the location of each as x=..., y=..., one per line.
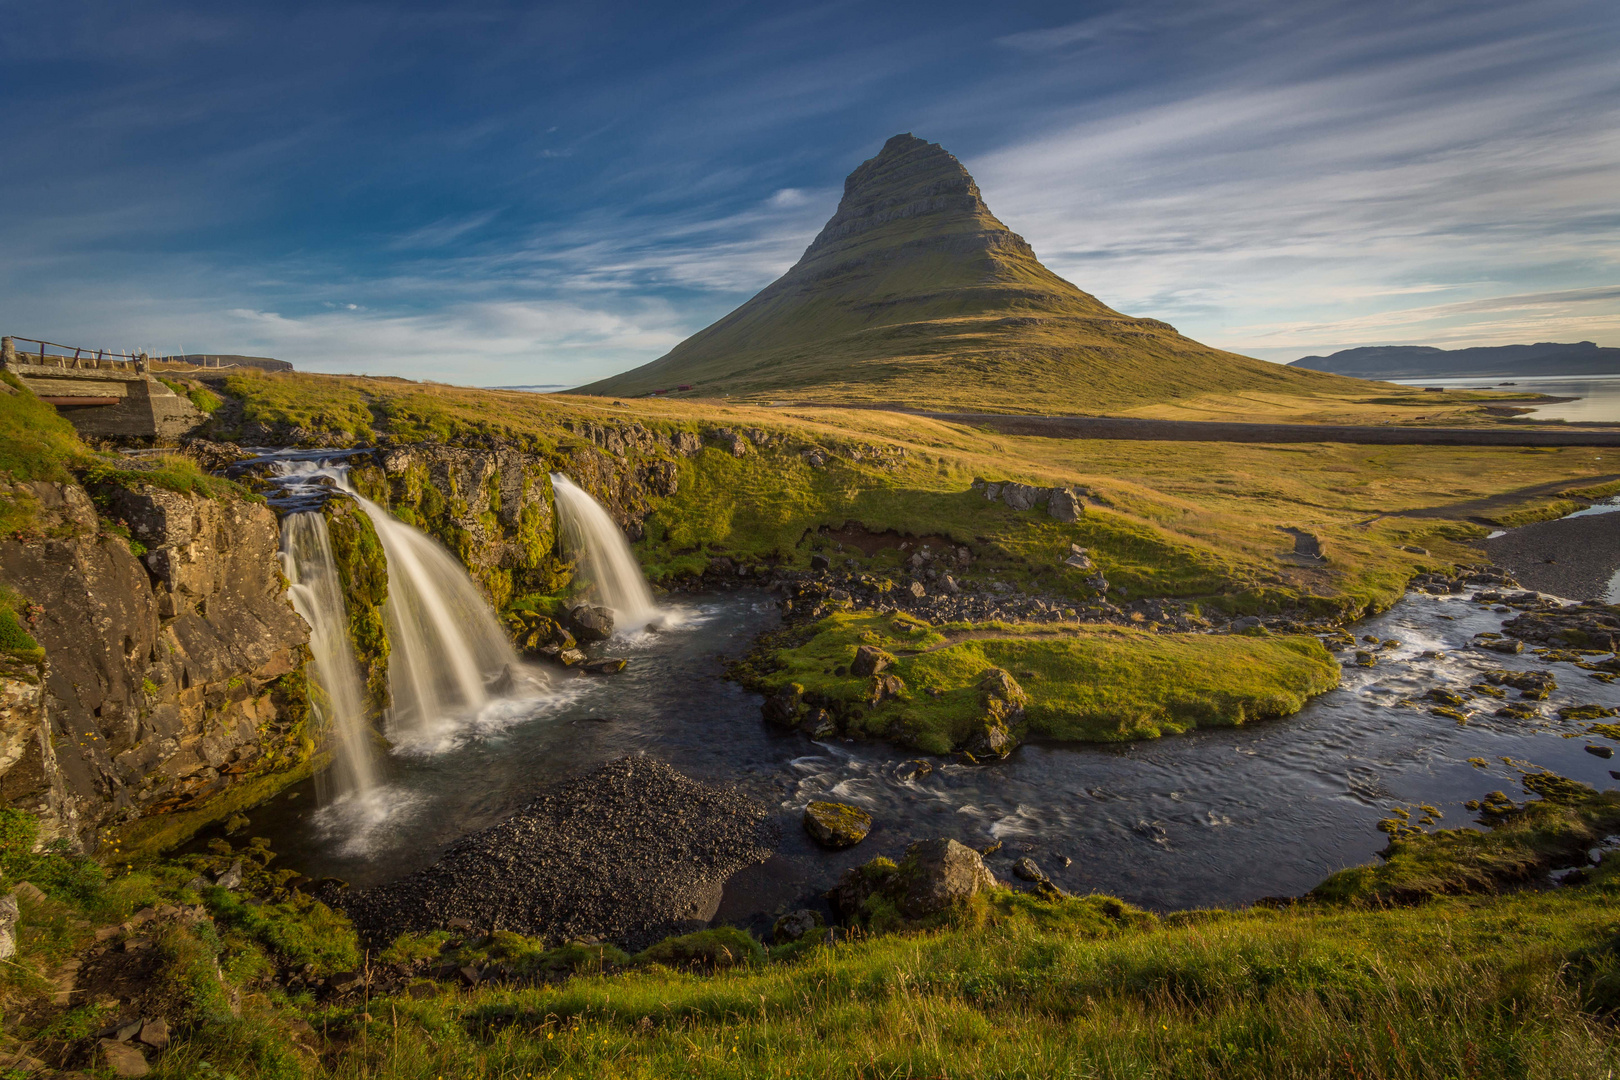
x=629, y=852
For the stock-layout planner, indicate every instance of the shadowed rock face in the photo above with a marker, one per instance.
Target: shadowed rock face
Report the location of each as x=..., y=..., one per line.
x=914, y=291
x=156, y=691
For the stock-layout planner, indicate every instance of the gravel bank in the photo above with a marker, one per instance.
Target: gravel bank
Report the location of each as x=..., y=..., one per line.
x=628, y=853
x=1584, y=554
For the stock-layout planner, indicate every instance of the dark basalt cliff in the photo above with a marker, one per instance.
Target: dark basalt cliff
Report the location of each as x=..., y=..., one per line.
x=167, y=676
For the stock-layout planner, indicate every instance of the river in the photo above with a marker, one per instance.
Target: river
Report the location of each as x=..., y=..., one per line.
x=1210, y=818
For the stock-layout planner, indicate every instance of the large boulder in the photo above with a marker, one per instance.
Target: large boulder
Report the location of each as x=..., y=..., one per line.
x=1023, y=496
x=591, y=623
x=1065, y=505
x=940, y=874
x=1002, y=702
x=836, y=825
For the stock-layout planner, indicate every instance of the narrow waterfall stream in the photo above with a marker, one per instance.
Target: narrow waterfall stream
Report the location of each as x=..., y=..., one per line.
x=604, y=555
x=337, y=696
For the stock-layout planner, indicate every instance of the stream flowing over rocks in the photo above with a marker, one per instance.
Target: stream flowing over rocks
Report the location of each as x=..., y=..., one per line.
x=630, y=852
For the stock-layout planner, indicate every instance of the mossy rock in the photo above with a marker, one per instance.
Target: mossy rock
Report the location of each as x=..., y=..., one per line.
x=1585, y=712
x=714, y=950
x=836, y=825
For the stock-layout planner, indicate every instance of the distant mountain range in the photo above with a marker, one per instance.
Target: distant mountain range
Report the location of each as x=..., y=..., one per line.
x=915, y=294
x=1425, y=361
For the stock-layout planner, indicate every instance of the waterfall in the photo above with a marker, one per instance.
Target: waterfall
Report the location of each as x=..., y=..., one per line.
x=317, y=595
x=449, y=656
x=445, y=639
x=604, y=554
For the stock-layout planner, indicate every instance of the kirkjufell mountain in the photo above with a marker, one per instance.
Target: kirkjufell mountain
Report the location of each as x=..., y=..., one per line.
x=914, y=293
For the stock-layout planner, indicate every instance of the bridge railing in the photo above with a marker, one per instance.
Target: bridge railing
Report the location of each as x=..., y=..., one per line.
x=82, y=357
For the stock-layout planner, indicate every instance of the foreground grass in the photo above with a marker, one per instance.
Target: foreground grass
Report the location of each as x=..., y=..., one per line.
x=1506, y=987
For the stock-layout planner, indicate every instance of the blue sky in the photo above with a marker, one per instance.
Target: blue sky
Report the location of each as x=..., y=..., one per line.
x=497, y=193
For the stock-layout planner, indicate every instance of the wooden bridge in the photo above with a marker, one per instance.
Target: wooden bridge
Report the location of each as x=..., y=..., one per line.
x=103, y=394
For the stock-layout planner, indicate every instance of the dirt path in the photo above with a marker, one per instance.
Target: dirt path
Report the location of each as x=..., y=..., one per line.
x=1474, y=508
x=1122, y=427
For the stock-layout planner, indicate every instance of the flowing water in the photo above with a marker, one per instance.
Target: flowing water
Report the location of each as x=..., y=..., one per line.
x=604, y=556
x=337, y=696
x=450, y=669
x=1210, y=818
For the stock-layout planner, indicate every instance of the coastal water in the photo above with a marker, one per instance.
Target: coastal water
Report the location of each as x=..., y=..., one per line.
x=1597, y=397
x=1210, y=818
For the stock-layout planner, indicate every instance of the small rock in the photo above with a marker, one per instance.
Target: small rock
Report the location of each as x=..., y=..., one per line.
x=917, y=590
x=469, y=975
x=1510, y=646
x=344, y=981
x=819, y=561
x=1065, y=860
x=155, y=1033
x=1247, y=622
x=819, y=725
x=128, y=1031
x=8, y=926
x=27, y=890
x=1029, y=870
x=123, y=1059
x=795, y=925
x=869, y=660
x=570, y=657
x=1365, y=659
x=232, y=878
x=836, y=825
x=591, y=623
x=606, y=665
x=1065, y=505
x=784, y=706
x=1601, y=751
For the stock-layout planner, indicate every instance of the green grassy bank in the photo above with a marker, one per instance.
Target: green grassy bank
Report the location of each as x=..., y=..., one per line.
x=1464, y=977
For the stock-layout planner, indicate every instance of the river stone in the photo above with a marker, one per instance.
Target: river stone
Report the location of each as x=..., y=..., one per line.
x=784, y=706
x=1029, y=870
x=819, y=725
x=836, y=825
x=869, y=660
x=941, y=873
x=570, y=657
x=591, y=623
x=629, y=853
x=606, y=665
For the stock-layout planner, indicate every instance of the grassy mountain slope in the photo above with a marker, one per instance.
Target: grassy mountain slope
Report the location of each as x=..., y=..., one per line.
x=915, y=293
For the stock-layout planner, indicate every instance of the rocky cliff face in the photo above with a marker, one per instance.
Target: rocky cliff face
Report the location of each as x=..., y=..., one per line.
x=168, y=674
x=495, y=510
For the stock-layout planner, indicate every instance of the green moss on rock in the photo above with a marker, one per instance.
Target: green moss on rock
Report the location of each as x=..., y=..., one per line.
x=363, y=569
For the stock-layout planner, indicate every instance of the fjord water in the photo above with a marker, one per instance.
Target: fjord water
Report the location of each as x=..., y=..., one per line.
x=1213, y=817
x=604, y=556
x=1596, y=398
x=337, y=697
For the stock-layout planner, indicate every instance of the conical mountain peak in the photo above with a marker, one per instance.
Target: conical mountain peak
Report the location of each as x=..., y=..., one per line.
x=913, y=292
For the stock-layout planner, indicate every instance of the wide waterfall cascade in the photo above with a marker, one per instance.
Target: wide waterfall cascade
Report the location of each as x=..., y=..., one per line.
x=447, y=649
x=317, y=595
x=604, y=554
x=445, y=637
